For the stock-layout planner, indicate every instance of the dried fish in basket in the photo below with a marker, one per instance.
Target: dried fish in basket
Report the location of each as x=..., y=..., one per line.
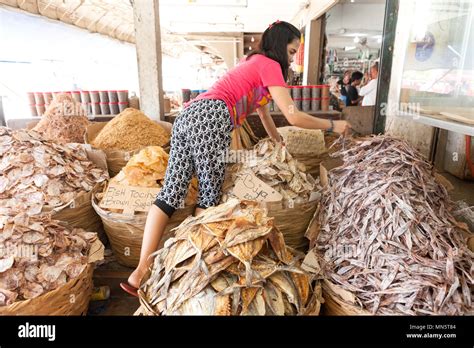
x=38, y=175
x=230, y=260
x=274, y=165
x=387, y=234
x=44, y=263
x=125, y=232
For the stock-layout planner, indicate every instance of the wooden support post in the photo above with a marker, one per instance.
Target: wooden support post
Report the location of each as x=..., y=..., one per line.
x=313, y=51
x=148, y=46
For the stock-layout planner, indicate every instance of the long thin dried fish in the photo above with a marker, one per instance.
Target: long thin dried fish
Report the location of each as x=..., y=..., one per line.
x=387, y=233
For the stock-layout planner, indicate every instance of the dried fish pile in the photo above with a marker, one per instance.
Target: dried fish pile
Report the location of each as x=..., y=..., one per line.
x=387, y=233
x=147, y=169
x=64, y=121
x=39, y=255
x=36, y=173
x=273, y=164
x=130, y=130
x=228, y=261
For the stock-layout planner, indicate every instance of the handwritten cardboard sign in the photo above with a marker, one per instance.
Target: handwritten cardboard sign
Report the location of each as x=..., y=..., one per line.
x=129, y=198
x=249, y=187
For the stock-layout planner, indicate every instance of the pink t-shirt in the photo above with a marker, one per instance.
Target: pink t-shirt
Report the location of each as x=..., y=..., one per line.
x=245, y=87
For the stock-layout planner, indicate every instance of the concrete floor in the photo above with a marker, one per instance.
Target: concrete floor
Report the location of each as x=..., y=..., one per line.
x=119, y=302
x=463, y=189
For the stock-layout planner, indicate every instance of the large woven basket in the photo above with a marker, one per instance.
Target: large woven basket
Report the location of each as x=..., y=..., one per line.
x=125, y=233
x=334, y=304
x=292, y=221
x=80, y=213
x=70, y=299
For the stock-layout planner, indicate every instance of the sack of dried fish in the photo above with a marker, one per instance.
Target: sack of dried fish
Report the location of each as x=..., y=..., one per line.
x=38, y=175
x=44, y=264
x=273, y=164
x=64, y=121
x=125, y=232
x=230, y=260
x=127, y=133
x=387, y=240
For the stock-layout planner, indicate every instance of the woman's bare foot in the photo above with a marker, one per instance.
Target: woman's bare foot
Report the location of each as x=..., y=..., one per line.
x=136, y=276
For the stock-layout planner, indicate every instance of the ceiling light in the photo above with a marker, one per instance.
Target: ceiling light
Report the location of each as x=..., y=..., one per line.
x=348, y=48
x=379, y=40
x=252, y=39
x=352, y=0
x=250, y=48
x=356, y=39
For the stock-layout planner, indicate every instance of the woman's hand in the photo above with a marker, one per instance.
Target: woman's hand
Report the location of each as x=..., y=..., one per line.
x=342, y=127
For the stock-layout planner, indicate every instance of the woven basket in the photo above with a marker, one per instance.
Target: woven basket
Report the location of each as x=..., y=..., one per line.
x=334, y=304
x=70, y=299
x=292, y=222
x=125, y=233
x=80, y=213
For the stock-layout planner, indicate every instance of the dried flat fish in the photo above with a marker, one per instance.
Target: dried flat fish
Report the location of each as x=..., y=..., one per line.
x=273, y=164
x=31, y=178
x=51, y=255
x=387, y=237
x=225, y=251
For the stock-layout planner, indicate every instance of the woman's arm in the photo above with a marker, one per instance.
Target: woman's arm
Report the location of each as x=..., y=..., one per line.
x=268, y=123
x=301, y=119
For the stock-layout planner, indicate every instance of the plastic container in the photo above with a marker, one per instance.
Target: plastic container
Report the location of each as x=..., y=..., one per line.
x=48, y=97
x=315, y=98
x=306, y=95
x=87, y=108
x=85, y=97
x=113, y=96
x=104, y=96
x=39, y=99
x=104, y=108
x=40, y=109
x=296, y=95
x=95, y=108
x=122, y=96
x=94, y=95
x=31, y=98
x=114, y=108
x=122, y=106
x=100, y=293
x=325, y=98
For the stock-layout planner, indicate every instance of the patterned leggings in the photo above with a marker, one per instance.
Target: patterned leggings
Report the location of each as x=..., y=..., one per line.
x=201, y=136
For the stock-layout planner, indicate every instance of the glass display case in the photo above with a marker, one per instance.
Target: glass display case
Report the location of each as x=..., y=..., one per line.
x=437, y=78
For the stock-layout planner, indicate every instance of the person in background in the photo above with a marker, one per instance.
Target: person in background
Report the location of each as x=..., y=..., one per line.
x=344, y=84
x=353, y=97
x=369, y=91
x=202, y=132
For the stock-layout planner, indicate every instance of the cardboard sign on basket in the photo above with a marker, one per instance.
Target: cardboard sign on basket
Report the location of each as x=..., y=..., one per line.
x=129, y=198
x=249, y=187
